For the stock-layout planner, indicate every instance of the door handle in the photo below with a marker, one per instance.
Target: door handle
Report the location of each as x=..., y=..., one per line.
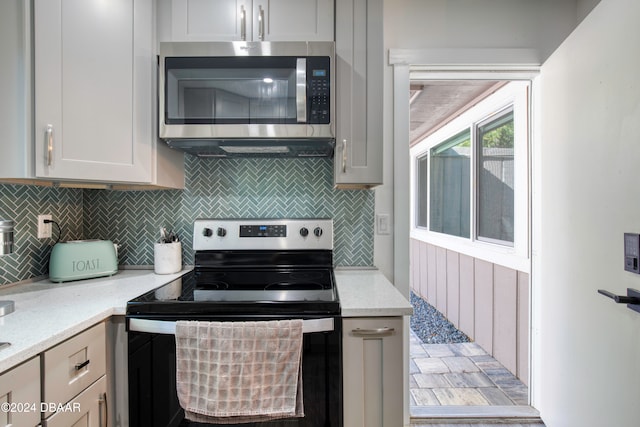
x=620, y=299
x=48, y=137
x=260, y=23
x=102, y=401
x=344, y=156
x=243, y=24
x=632, y=299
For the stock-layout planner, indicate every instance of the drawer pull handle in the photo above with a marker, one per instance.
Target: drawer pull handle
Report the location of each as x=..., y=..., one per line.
x=102, y=401
x=82, y=365
x=377, y=332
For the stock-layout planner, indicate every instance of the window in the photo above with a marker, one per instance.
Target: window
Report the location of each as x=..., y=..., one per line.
x=470, y=177
x=449, y=201
x=423, y=170
x=495, y=180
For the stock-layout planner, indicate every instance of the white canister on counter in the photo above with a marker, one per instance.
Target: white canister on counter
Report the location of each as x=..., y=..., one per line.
x=167, y=257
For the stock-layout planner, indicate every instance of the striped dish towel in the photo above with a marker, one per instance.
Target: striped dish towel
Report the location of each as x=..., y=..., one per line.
x=239, y=372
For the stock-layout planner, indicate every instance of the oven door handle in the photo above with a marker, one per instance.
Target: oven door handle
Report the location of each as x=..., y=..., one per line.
x=169, y=328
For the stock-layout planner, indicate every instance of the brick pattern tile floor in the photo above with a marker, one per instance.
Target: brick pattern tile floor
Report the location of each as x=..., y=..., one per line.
x=460, y=374
x=480, y=424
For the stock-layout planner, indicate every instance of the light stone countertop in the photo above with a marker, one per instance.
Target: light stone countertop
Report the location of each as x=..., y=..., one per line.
x=48, y=313
x=368, y=293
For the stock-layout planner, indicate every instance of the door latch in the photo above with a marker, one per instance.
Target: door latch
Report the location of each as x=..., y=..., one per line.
x=632, y=299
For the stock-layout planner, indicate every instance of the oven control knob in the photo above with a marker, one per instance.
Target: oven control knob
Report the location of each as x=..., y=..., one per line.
x=317, y=231
x=304, y=231
x=207, y=232
x=221, y=232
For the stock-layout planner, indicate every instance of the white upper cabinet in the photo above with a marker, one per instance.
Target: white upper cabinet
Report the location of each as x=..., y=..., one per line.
x=211, y=20
x=87, y=117
x=246, y=20
x=359, y=80
x=94, y=90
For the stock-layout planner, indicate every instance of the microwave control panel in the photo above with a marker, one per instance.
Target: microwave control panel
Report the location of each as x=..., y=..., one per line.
x=318, y=89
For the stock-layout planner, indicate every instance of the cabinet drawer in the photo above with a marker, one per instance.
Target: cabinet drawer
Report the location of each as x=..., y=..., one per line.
x=21, y=387
x=73, y=365
x=89, y=409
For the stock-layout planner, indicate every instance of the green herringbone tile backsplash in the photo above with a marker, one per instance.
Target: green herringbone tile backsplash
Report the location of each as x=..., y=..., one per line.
x=248, y=188
x=234, y=188
x=23, y=204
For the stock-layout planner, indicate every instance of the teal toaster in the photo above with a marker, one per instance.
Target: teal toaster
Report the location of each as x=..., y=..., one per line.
x=82, y=259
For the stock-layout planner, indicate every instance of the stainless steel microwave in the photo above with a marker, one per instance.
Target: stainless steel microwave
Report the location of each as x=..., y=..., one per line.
x=229, y=99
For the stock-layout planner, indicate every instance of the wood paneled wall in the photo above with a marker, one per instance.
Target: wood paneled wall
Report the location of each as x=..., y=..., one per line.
x=488, y=302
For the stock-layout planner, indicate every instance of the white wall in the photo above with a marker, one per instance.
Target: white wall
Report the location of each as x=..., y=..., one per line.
x=587, y=168
x=585, y=7
x=450, y=24
x=540, y=24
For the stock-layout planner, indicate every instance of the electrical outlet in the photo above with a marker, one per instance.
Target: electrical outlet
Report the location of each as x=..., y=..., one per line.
x=44, y=230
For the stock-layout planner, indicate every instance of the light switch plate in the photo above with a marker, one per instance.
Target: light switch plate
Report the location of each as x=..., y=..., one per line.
x=383, y=224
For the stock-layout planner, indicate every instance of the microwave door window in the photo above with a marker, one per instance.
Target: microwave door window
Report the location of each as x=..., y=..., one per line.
x=230, y=95
x=196, y=103
x=230, y=105
x=274, y=98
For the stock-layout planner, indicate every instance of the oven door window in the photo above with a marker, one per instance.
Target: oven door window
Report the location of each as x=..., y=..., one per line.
x=153, y=400
x=233, y=90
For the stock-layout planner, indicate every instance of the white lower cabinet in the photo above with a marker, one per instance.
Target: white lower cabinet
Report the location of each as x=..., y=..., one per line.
x=74, y=388
x=373, y=371
x=88, y=409
x=20, y=394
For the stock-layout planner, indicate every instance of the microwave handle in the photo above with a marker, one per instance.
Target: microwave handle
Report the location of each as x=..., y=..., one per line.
x=301, y=89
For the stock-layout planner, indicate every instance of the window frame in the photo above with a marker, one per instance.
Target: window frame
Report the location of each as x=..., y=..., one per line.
x=444, y=146
x=514, y=94
x=476, y=128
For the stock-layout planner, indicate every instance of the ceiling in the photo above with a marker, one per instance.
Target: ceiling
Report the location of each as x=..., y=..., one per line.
x=433, y=103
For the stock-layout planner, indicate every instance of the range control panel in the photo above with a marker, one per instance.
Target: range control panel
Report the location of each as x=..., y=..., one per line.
x=263, y=231
x=262, y=234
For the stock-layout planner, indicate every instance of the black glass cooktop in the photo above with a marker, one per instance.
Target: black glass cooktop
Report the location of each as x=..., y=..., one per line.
x=247, y=282
x=243, y=291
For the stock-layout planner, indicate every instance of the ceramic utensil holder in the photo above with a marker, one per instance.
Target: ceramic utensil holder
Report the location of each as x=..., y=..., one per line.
x=167, y=258
x=6, y=236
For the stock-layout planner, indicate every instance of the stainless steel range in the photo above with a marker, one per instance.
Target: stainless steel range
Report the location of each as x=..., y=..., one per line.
x=243, y=270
